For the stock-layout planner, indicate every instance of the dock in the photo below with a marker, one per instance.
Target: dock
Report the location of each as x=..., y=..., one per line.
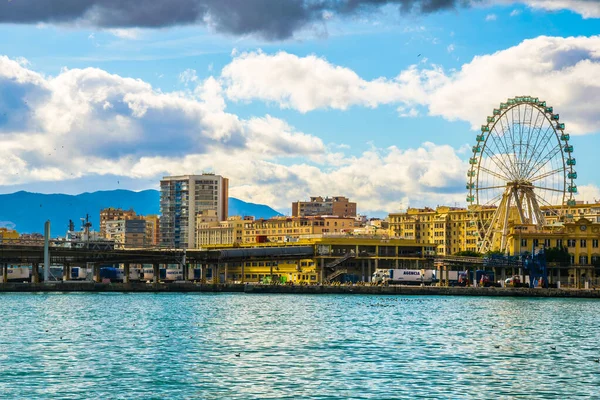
x=190, y=287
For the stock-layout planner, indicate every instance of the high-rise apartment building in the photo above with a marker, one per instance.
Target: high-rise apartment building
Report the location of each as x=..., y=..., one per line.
x=130, y=233
x=318, y=206
x=113, y=214
x=182, y=198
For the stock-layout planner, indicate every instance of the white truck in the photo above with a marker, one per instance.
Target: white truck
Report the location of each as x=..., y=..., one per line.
x=405, y=276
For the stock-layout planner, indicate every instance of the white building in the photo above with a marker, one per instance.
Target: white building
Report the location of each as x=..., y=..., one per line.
x=182, y=198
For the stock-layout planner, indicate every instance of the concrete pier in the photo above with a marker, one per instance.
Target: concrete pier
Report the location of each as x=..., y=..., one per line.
x=140, y=287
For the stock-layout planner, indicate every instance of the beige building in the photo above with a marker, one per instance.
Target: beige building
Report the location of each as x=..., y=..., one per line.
x=113, y=214
x=319, y=206
x=152, y=230
x=216, y=233
x=127, y=234
x=284, y=229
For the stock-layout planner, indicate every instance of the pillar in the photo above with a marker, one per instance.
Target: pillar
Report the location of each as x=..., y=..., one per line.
x=126, y=273
x=227, y=271
x=4, y=273
x=35, y=273
x=322, y=262
x=96, y=269
x=362, y=267
x=369, y=273
x=215, y=273
x=156, y=272
x=243, y=272
x=190, y=273
x=271, y=272
x=202, y=273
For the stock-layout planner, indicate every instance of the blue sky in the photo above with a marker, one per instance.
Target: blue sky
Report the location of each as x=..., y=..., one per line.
x=388, y=145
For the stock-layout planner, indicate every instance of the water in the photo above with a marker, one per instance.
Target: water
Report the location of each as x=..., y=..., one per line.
x=183, y=346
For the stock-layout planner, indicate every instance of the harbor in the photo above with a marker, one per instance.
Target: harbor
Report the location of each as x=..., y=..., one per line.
x=191, y=287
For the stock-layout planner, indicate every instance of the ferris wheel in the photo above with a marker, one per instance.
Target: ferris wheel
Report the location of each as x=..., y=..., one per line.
x=522, y=162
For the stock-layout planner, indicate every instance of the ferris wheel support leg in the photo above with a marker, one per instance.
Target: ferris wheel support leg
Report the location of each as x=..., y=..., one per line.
x=505, y=225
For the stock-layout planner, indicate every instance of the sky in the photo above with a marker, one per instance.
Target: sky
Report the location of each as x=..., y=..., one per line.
x=376, y=100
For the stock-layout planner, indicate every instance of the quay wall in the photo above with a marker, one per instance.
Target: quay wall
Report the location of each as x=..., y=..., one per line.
x=187, y=287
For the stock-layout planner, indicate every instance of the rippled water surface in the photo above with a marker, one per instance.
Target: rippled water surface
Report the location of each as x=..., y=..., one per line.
x=183, y=346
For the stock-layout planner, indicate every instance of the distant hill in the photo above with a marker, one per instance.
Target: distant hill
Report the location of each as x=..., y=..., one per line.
x=26, y=212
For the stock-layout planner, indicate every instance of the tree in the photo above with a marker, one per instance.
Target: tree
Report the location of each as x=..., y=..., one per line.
x=468, y=253
x=560, y=255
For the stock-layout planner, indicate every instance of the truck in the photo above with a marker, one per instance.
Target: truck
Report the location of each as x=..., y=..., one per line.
x=405, y=276
x=18, y=274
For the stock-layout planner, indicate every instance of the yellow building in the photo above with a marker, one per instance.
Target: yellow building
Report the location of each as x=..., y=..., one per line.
x=285, y=229
x=8, y=235
x=579, y=238
x=453, y=229
x=219, y=233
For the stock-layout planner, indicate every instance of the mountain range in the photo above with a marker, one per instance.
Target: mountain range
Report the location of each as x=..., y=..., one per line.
x=26, y=212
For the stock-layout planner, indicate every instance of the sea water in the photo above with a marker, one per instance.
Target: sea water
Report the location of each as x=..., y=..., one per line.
x=245, y=346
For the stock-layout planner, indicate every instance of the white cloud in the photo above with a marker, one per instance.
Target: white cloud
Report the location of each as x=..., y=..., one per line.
x=515, y=13
x=88, y=122
x=308, y=83
x=588, y=193
x=450, y=48
x=554, y=69
x=130, y=33
x=188, y=77
x=91, y=36
x=491, y=17
x=586, y=8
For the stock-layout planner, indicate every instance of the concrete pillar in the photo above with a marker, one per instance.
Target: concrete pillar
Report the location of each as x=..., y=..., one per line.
x=190, y=273
x=96, y=270
x=126, y=273
x=156, y=272
x=322, y=266
x=243, y=272
x=35, y=273
x=4, y=273
x=369, y=272
x=362, y=267
x=215, y=273
x=227, y=271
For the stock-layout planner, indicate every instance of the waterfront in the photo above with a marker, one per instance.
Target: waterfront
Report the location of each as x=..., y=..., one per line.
x=166, y=345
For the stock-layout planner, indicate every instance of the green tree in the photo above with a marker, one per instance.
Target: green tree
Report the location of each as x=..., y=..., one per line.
x=468, y=253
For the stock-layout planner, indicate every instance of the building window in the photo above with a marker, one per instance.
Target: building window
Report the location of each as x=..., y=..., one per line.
x=583, y=243
x=536, y=242
x=559, y=243
x=571, y=243
x=546, y=243
x=524, y=243
x=583, y=260
x=595, y=243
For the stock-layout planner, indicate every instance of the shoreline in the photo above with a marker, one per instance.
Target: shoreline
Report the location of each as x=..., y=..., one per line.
x=92, y=287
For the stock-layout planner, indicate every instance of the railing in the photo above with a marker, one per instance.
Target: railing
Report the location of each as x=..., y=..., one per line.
x=336, y=273
x=340, y=260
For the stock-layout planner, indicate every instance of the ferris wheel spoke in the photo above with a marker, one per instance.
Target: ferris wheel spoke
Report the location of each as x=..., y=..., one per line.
x=547, y=174
x=551, y=208
x=541, y=163
x=498, y=161
x=497, y=175
x=550, y=189
x=506, y=145
x=491, y=187
x=538, y=150
x=529, y=132
x=493, y=200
